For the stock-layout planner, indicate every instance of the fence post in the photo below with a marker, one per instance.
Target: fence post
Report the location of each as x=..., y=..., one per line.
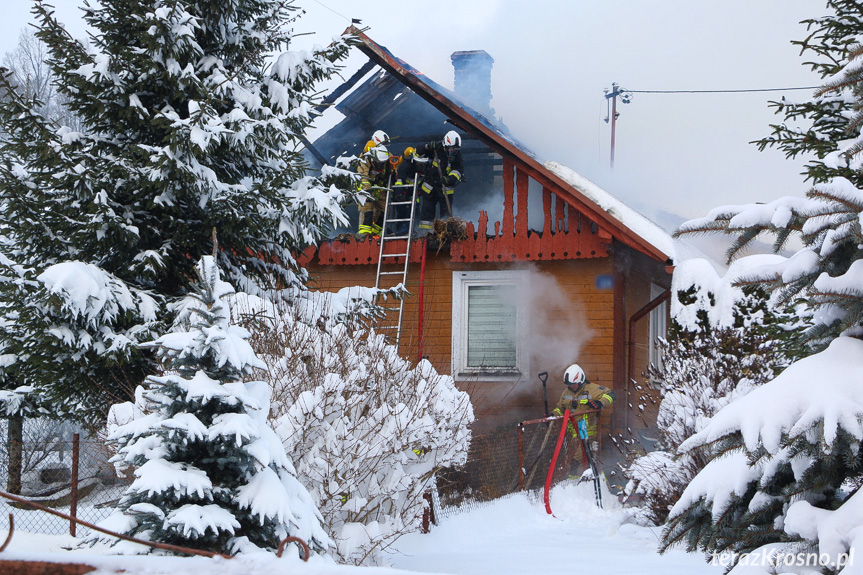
x=73, y=501
x=520, y=431
x=427, y=511
x=15, y=442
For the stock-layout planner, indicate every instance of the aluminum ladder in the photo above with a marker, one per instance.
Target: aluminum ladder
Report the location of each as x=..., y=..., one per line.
x=391, y=323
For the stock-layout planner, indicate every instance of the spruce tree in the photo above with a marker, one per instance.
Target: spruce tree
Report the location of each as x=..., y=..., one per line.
x=188, y=124
x=786, y=458
x=209, y=471
x=723, y=342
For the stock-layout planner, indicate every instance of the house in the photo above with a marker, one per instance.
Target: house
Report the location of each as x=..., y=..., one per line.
x=554, y=270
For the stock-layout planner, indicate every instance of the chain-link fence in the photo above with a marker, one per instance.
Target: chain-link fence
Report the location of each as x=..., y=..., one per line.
x=55, y=468
x=512, y=459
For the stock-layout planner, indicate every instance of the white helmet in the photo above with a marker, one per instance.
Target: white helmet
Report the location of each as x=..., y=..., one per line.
x=452, y=139
x=380, y=153
x=380, y=137
x=574, y=375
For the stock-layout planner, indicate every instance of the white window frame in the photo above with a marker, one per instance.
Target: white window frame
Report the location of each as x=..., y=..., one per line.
x=462, y=281
x=658, y=325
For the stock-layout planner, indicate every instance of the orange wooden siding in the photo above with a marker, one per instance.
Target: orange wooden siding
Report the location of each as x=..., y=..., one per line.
x=503, y=402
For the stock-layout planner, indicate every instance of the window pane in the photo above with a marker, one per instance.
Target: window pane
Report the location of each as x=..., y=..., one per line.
x=658, y=327
x=491, y=326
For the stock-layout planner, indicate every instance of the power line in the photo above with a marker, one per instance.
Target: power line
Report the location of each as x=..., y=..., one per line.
x=333, y=11
x=719, y=91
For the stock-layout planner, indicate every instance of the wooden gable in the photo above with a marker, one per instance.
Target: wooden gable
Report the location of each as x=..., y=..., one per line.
x=566, y=234
x=574, y=226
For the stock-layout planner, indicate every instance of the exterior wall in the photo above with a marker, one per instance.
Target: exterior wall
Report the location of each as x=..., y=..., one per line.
x=572, y=320
x=637, y=272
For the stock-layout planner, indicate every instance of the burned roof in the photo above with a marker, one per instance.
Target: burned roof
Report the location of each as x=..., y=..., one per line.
x=452, y=109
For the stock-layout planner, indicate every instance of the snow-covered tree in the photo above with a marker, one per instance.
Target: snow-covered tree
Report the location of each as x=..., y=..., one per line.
x=210, y=472
x=787, y=457
x=187, y=124
x=723, y=342
x=366, y=429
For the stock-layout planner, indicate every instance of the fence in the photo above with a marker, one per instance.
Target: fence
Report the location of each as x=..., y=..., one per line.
x=71, y=476
x=76, y=477
x=510, y=460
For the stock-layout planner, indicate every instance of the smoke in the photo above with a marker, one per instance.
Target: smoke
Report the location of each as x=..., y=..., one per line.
x=558, y=324
x=554, y=335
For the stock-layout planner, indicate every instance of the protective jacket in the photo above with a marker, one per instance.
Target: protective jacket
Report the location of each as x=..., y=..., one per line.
x=577, y=402
x=444, y=170
x=373, y=174
x=442, y=173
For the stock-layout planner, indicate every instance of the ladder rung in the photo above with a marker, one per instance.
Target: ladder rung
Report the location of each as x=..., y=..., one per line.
x=405, y=228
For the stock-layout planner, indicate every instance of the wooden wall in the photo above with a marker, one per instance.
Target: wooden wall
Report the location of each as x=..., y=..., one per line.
x=573, y=321
x=637, y=272
x=598, y=284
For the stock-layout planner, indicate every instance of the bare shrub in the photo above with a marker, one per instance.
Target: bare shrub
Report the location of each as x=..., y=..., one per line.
x=366, y=429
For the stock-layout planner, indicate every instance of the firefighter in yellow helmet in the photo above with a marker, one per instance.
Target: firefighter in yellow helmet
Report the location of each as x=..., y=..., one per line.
x=581, y=396
x=404, y=170
x=374, y=169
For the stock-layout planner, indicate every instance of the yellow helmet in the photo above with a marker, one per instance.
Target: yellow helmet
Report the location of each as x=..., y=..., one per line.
x=409, y=152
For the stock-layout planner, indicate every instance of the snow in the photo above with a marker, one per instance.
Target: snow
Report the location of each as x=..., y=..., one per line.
x=715, y=295
x=513, y=535
x=837, y=531
x=630, y=218
x=91, y=293
x=791, y=405
x=722, y=478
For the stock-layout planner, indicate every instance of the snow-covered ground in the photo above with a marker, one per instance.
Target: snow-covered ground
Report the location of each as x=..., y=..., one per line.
x=510, y=536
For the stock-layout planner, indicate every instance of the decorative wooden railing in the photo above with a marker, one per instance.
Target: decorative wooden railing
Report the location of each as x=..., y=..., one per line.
x=567, y=234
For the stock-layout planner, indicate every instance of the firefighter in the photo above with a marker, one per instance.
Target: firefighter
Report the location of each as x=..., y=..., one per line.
x=581, y=396
x=406, y=167
x=441, y=174
x=409, y=167
x=374, y=170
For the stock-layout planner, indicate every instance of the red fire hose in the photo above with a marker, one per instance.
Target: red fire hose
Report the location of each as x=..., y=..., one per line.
x=420, y=297
x=548, y=478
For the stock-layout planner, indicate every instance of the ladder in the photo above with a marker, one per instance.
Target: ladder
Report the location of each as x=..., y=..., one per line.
x=394, y=230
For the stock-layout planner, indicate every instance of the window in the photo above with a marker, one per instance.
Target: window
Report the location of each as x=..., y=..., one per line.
x=487, y=320
x=658, y=324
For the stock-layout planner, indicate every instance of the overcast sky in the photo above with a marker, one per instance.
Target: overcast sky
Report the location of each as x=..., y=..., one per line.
x=680, y=153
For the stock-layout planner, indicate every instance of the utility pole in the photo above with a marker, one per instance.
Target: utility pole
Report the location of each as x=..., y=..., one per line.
x=625, y=98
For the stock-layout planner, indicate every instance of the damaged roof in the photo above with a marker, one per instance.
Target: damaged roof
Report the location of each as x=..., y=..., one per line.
x=623, y=223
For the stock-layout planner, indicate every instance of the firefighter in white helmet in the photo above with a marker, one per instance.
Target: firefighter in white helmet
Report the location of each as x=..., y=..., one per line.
x=579, y=395
x=442, y=173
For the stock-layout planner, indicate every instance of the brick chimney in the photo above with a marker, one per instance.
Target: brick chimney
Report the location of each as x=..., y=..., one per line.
x=473, y=79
